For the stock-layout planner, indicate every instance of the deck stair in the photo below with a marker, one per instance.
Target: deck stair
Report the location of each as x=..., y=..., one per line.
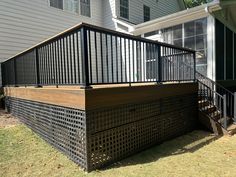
x=216, y=106
x=211, y=118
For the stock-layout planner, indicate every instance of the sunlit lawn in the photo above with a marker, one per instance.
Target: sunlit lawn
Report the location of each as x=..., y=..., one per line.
x=23, y=153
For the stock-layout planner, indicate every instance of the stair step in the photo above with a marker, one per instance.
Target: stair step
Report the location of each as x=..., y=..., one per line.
x=203, y=103
x=229, y=120
x=210, y=123
x=216, y=115
x=231, y=129
x=209, y=109
x=200, y=98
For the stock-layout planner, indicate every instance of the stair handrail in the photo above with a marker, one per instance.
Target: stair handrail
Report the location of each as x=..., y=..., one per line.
x=215, y=83
x=224, y=98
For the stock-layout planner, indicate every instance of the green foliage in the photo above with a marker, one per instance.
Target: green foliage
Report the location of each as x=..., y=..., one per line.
x=194, y=3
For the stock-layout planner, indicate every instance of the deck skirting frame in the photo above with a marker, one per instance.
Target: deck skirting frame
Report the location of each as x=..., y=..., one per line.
x=97, y=137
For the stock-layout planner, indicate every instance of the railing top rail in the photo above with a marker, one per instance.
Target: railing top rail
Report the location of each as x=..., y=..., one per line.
x=103, y=30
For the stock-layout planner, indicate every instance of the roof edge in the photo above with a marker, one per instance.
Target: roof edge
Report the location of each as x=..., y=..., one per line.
x=177, y=18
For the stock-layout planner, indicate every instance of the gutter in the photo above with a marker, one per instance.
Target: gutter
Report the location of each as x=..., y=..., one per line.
x=177, y=18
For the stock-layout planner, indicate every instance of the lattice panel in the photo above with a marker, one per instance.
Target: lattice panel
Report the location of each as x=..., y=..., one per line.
x=103, y=119
x=107, y=118
x=148, y=124
x=95, y=138
x=64, y=128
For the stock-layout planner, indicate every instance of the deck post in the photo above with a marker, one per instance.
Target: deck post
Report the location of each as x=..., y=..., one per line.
x=159, y=64
x=234, y=108
x=37, y=68
x=84, y=54
x=194, y=63
x=225, y=111
x=2, y=74
x=15, y=72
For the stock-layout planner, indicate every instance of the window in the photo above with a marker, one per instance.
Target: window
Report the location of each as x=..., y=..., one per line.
x=85, y=7
x=177, y=35
x=191, y=35
x=124, y=9
x=146, y=13
x=56, y=3
x=195, y=37
x=189, y=29
x=72, y=6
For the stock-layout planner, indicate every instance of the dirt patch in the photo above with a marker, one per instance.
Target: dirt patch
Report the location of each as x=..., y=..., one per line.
x=7, y=120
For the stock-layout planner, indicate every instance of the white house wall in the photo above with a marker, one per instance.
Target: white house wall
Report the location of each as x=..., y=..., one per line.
x=157, y=9
x=211, y=65
x=109, y=12
x=24, y=23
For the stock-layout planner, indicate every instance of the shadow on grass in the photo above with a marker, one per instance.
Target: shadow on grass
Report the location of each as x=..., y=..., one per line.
x=188, y=143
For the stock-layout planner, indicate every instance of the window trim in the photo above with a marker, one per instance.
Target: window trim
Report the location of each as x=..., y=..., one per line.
x=128, y=10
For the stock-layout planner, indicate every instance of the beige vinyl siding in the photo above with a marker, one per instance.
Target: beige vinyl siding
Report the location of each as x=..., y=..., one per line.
x=24, y=23
x=157, y=9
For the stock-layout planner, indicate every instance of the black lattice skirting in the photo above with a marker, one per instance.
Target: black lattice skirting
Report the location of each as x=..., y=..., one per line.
x=97, y=138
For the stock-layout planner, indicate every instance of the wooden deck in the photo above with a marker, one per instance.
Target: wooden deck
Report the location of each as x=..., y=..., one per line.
x=67, y=97
x=100, y=96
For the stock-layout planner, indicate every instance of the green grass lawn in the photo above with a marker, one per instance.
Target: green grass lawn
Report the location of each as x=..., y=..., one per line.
x=23, y=153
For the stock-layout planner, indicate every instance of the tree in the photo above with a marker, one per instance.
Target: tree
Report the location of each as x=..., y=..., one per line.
x=194, y=3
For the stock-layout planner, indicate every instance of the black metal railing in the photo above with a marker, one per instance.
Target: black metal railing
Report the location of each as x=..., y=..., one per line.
x=212, y=95
x=87, y=55
x=218, y=96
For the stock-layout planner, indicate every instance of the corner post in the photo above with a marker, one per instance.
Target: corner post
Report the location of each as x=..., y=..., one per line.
x=84, y=54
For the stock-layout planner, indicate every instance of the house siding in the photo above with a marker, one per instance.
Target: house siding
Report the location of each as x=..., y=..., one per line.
x=24, y=23
x=157, y=9
x=109, y=13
